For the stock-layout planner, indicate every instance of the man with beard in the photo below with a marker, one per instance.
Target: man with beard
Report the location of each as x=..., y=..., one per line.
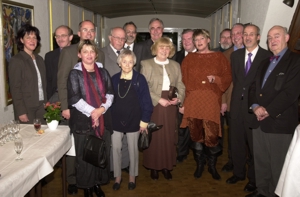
x=225, y=40
x=130, y=30
x=244, y=63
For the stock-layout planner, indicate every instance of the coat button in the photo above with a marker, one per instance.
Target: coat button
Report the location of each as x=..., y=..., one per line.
x=203, y=82
x=260, y=94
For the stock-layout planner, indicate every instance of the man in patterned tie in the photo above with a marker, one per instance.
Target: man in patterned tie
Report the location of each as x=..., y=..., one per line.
x=130, y=30
x=244, y=64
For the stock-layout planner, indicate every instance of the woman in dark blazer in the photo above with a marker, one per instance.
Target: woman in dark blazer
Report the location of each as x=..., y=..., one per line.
x=27, y=77
x=131, y=113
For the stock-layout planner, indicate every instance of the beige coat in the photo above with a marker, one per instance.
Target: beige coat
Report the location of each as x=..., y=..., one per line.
x=154, y=76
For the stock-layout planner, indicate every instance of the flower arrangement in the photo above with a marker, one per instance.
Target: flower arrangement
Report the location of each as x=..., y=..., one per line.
x=53, y=112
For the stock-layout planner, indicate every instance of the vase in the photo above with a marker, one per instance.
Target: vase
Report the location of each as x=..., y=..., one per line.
x=52, y=125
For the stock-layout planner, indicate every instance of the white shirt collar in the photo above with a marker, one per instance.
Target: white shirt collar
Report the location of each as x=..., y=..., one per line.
x=185, y=52
x=160, y=62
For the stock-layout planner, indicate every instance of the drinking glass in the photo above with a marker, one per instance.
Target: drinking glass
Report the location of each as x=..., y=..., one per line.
x=37, y=124
x=18, y=147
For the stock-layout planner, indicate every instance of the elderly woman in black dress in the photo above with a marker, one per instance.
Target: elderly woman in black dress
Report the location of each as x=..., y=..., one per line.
x=90, y=94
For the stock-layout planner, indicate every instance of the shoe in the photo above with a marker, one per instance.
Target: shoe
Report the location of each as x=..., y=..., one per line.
x=228, y=167
x=167, y=174
x=117, y=186
x=72, y=189
x=126, y=169
x=180, y=159
x=131, y=186
x=255, y=194
x=98, y=191
x=211, y=163
x=111, y=175
x=154, y=174
x=250, y=187
x=233, y=179
x=88, y=192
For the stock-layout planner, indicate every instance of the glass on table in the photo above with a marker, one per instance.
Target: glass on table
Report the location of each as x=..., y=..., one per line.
x=18, y=147
x=37, y=124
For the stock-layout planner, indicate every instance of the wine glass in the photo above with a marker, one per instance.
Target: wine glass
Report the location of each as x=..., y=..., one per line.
x=18, y=147
x=37, y=124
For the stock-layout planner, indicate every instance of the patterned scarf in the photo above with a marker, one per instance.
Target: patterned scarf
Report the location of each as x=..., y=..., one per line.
x=92, y=96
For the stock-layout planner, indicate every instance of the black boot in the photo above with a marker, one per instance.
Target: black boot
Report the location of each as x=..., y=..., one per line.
x=98, y=191
x=88, y=192
x=212, y=161
x=199, y=158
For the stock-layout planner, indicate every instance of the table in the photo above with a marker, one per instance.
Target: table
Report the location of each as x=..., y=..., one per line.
x=40, y=153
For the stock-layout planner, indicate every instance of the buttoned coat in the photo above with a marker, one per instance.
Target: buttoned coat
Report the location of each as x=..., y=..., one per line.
x=154, y=76
x=111, y=57
x=23, y=82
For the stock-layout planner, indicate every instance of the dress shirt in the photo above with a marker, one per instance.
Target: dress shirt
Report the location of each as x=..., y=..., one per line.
x=115, y=50
x=40, y=85
x=253, y=54
x=131, y=46
x=185, y=52
x=235, y=48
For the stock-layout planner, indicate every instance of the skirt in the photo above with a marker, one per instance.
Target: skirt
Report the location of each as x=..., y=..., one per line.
x=161, y=153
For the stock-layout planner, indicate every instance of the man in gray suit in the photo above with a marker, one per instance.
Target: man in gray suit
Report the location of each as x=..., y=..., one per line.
x=67, y=60
x=117, y=40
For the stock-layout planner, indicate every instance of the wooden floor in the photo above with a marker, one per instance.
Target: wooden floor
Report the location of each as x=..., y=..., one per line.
x=183, y=183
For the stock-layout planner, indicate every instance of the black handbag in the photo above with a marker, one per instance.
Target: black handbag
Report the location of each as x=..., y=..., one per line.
x=94, y=151
x=173, y=92
x=144, y=138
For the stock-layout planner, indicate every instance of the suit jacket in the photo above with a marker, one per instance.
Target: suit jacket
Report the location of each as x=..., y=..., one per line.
x=241, y=83
x=226, y=97
x=23, y=81
x=142, y=51
x=111, y=57
x=51, y=63
x=154, y=76
x=67, y=60
x=179, y=56
x=279, y=95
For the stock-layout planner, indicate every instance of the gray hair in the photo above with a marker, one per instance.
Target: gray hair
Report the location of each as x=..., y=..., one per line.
x=126, y=52
x=156, y=19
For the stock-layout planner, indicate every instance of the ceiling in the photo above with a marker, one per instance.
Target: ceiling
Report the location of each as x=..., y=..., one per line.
x=120, y=8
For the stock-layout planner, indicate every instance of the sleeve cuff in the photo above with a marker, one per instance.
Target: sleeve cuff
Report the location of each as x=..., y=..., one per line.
x=143, y=124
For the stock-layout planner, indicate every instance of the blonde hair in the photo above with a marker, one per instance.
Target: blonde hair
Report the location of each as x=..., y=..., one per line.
x=163, y=41
x=88, y=43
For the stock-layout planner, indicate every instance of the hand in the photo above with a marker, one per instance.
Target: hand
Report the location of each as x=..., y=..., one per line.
x=223, y=108
x=66, y=114
x=164, y=102
x=181, y=110
x=174, y=101
x=24, y=118
x=260, y=113
x=142, y=130
x=211, y=78
x=96, y=113
x=95, y=123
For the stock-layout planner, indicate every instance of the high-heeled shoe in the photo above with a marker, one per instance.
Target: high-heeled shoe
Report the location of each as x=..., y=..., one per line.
x=117, y=186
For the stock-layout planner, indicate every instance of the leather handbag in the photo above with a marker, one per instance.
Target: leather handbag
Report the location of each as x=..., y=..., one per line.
x=94, y=151
x=173, y=92
x=144, y=138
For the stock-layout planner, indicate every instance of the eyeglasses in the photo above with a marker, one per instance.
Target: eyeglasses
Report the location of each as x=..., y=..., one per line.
x=250, y=35
x=88, y=30
x=130, y=32
x=119, y=39
x=61, y=36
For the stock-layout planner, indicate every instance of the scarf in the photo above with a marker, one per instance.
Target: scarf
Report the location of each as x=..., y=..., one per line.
x=92, y=96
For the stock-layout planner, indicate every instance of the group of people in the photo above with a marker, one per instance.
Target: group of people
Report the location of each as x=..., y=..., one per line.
x=114, y=92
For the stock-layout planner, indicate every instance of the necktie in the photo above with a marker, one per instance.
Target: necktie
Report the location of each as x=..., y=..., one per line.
x=128, y=47
x=118, y=52
x=274, y=57
x=248, y=63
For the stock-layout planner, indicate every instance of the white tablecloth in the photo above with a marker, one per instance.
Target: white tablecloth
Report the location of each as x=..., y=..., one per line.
x=40, y=153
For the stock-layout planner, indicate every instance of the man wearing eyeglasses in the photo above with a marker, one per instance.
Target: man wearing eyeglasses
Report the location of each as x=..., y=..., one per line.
x=130, y=30
x=67, y=60
x=63, y=36
x=244, y=64
x=143, y=49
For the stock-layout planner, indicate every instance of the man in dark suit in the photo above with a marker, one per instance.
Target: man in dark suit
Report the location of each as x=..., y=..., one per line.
x=244, y=63
x=184, y=139
x=143, y=49
x=67, y=60
x=274, y=100
x=117, y=39
x=237, y=40
x=130, y=30
x=63, y=36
